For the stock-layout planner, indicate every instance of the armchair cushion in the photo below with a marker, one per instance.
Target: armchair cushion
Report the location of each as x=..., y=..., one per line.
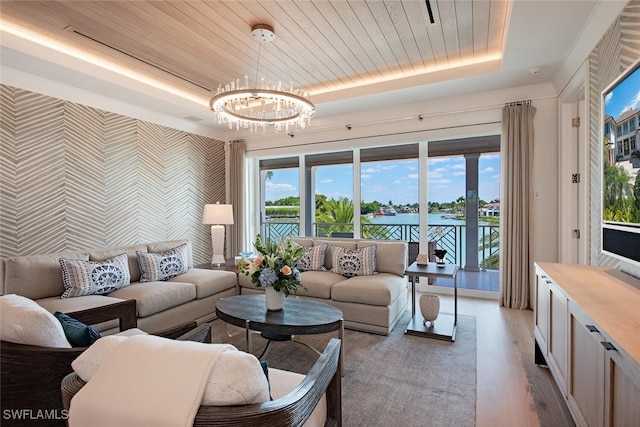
x=292, y=409
x=237, y=378
x=78, y=334
x=23, y=321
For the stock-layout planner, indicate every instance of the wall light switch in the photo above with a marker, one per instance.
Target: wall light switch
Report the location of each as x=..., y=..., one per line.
x=537, y=194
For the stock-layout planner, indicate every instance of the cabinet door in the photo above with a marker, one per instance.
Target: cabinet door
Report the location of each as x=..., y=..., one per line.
x=541, y=314
x=558, y=349
x=586, y=370
x=622, y=404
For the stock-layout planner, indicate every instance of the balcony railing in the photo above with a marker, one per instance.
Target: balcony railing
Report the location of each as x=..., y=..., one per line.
x=445, y=236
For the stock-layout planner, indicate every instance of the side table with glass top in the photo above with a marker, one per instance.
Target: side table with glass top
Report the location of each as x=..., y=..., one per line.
x=444, y=327
x=229, y=265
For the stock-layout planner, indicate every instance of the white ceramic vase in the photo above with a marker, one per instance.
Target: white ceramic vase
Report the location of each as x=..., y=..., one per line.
x=273, y=299
x=430, y=307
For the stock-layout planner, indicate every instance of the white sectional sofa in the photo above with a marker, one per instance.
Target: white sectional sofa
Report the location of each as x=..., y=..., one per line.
x=370, y=303
x=160, y=304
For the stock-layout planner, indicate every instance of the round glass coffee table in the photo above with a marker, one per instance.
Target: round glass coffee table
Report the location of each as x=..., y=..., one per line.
x=298, y=317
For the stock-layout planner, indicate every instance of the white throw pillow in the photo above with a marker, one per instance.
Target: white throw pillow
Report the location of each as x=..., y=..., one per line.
x=237, y=378
x=23, y=321
x=90, y=360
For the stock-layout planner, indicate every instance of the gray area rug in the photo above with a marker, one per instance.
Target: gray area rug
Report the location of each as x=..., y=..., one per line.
x=394, y=380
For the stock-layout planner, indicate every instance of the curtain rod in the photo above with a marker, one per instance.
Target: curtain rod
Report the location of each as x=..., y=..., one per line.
x=364, y=137
x=516, y=103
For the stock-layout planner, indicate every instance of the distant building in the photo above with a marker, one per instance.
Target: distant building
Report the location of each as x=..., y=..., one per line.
x=623, y=134
x=490, y=209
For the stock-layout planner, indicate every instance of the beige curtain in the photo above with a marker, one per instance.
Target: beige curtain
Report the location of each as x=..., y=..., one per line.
x=237, y=151
x=515, y=207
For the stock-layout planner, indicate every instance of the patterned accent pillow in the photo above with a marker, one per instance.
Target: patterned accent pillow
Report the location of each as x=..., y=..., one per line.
x=94, y=277
x=354, y=262
x=164, y=265
x=313, y=258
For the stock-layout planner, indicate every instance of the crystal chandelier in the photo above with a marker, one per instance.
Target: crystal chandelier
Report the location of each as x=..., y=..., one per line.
x=265, y=104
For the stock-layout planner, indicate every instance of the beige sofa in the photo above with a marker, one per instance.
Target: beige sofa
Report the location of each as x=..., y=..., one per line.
x=160, y=304
x=370, y=303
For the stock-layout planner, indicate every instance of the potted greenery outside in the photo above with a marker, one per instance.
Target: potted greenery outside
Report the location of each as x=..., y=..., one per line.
x=274, y=269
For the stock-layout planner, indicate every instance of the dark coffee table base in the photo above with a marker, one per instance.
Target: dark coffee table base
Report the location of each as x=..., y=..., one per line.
x=275, y=337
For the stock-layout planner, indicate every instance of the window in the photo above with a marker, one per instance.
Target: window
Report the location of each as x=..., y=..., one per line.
x=280, y=215
x=329, y=184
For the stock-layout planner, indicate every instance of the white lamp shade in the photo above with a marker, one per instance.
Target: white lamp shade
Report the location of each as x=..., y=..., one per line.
x=217, y=214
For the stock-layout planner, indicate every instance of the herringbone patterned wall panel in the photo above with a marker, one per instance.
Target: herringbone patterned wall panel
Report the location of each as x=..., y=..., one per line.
x=40, y=173
x=8, y=191
x=618, y=49
x=121, y=180
x=75, y=177
x=204, y=174
x=84, y=176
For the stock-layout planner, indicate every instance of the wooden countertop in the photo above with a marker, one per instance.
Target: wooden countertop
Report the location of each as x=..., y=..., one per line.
x=611, y=298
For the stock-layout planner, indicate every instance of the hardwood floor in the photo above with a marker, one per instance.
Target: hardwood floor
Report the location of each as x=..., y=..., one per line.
x=511, y=389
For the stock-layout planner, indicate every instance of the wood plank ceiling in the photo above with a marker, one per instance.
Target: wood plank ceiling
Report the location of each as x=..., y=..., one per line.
x=321, y=45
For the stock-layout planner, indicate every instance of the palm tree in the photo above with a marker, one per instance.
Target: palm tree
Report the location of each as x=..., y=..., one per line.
x=335, y=215
x=618, y=194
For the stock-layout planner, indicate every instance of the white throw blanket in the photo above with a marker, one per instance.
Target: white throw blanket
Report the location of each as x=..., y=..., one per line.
x=146, y=381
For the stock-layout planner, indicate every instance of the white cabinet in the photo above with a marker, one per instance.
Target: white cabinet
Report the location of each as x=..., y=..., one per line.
x=586, y=380
x=541, y=314
x=622, y=391
x=551, y=326
x=558, y=351
x=587, y=321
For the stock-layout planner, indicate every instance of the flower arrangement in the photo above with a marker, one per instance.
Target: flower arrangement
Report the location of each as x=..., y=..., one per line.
x=275, y=265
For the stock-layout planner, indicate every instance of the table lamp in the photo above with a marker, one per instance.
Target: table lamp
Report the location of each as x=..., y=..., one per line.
x=217, y=215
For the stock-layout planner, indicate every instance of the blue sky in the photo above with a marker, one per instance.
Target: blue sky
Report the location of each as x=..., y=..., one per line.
x=395, y=181
x=623, y=97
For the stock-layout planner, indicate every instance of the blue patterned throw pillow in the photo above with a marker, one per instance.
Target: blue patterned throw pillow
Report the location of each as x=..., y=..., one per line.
x=354, y=262
x=313, y=258
x=94, y=277
x=164, y=265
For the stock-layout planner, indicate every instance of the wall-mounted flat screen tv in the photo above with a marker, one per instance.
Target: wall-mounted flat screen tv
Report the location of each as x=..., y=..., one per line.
x=621, y=166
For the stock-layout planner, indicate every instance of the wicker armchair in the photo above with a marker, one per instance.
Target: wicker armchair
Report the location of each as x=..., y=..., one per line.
x=292, y=409
x=30, y=375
